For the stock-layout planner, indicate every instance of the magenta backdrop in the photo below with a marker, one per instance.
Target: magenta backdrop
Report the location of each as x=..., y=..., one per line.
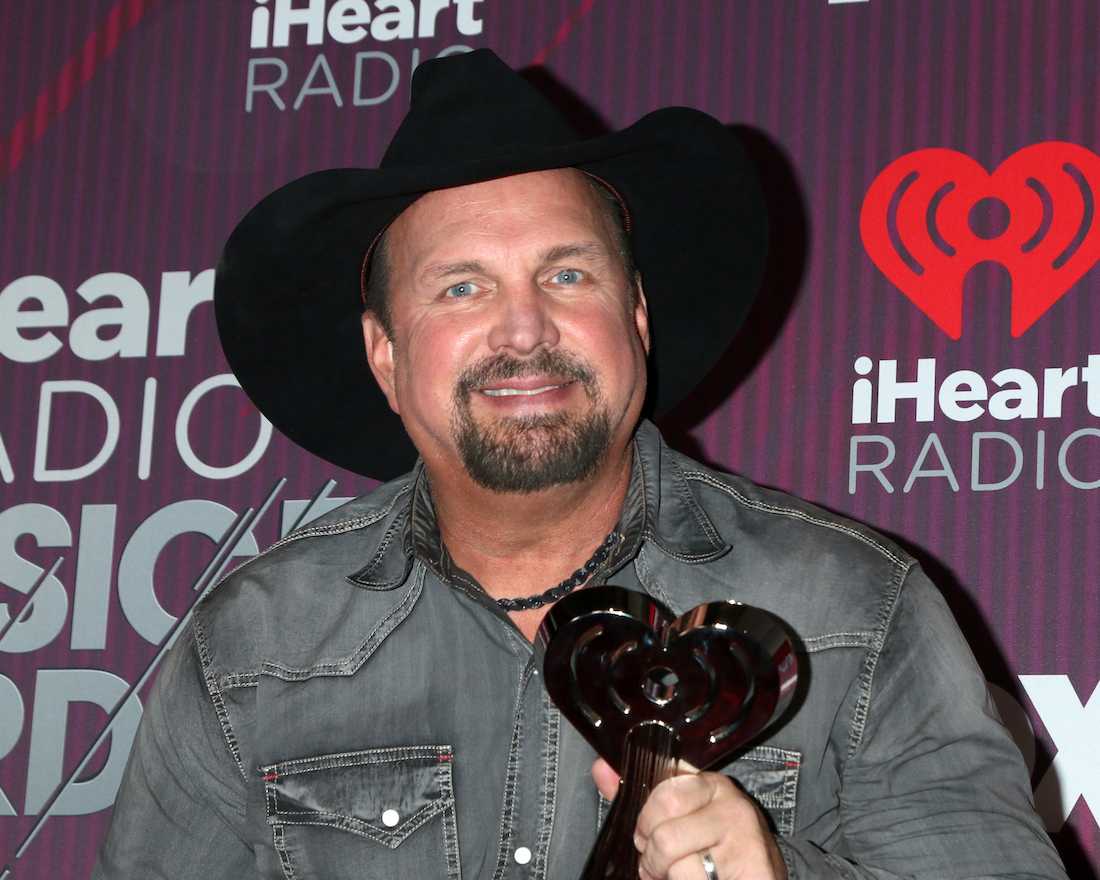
x=886, y=372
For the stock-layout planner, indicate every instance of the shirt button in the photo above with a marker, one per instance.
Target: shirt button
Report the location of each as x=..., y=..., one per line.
x=522, y=855
x=390, y=818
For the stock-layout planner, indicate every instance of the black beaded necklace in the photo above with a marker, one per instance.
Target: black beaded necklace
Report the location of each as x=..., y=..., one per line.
x=568, y=585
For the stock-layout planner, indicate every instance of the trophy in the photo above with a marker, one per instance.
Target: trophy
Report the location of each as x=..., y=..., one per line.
x=648, y=691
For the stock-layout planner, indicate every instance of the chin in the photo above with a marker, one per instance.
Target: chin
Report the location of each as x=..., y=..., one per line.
x=532, y=453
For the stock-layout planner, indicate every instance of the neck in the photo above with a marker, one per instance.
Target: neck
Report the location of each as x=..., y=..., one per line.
x=517, y=545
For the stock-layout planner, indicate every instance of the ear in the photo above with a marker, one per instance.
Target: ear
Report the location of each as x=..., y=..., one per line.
x=380, y=356
x=641, y=314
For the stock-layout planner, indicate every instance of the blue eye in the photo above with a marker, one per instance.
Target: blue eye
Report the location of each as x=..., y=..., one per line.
x=567, y=276
x=465, y=288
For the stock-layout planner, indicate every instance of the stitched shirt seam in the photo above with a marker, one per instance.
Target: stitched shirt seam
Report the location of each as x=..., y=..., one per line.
x=797, y=514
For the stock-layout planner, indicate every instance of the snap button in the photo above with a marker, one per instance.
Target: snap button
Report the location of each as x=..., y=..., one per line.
x=522, y=855
x=390, y=818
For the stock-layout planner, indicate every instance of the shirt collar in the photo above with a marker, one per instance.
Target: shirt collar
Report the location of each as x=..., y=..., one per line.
x=659, y=507
x=670, y=517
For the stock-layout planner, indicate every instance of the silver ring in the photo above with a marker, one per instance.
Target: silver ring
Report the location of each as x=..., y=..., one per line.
x=708, y=865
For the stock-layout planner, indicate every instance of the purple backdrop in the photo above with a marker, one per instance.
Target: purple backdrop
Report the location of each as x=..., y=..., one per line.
x=925, y=355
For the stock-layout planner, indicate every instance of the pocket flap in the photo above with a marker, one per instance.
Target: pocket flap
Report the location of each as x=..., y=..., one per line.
x=384, y=794
x=770, y=775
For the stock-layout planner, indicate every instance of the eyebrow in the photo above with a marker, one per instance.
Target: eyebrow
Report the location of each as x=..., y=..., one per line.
x=442, y=271
x=565, y=251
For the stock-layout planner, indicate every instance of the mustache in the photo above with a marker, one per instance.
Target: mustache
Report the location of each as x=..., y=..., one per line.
x=506, y=366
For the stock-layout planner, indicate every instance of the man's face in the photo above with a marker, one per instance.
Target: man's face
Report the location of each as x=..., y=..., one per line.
x=517, y=353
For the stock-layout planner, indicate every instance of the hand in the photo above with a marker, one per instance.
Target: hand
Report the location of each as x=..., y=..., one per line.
x=694, y=813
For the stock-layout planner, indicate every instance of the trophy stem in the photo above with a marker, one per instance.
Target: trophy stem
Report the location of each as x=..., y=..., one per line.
x=649, y=757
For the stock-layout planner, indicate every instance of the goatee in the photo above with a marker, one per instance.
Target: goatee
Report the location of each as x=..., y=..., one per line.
x=530, y=453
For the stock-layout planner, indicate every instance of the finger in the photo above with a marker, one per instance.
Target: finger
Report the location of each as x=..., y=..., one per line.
x=680, y=841
x=683, y=816
x=690, y=867
x=675, y=797
x=728, y=825
x=606, y=779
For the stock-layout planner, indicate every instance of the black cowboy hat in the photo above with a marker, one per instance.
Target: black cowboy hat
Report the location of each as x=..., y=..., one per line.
x=288, y=292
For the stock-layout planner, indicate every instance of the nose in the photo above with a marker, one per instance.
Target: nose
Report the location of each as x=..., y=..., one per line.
x=523, y=321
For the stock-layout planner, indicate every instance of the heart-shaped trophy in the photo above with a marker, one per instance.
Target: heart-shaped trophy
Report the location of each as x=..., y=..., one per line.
x=647, y=691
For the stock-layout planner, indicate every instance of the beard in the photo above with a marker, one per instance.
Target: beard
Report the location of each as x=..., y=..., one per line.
x=530, y=453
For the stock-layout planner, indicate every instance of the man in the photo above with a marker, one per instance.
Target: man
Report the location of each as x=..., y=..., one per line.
x=362, y=700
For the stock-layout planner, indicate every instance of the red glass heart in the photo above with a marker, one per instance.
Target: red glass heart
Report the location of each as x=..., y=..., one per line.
x=716, y=676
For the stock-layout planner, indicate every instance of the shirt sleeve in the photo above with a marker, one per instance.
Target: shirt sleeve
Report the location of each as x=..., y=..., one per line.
x=933, y=785
x=180, y=810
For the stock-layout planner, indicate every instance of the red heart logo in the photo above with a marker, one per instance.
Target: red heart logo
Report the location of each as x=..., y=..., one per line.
x=916, y=226
x=614, y=659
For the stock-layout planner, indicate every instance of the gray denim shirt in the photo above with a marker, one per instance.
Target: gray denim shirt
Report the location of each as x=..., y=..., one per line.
x=351, y=705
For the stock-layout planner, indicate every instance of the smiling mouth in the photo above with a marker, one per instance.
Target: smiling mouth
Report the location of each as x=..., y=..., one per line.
x=521, y=392
x=505, y=376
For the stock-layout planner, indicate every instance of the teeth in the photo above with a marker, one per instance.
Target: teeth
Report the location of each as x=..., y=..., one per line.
x=513, y=392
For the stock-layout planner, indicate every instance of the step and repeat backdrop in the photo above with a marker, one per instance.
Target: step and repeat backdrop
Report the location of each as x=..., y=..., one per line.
x=924, y=355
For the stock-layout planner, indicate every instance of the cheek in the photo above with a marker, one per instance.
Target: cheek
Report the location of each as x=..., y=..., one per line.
x=612, y=336
x=429, y=362
x=624, y=358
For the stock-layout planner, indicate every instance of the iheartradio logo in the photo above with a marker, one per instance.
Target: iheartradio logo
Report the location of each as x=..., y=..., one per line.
x=933, y=214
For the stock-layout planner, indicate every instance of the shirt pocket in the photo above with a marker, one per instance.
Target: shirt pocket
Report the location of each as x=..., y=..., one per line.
x=770, y=775
x=378, y=813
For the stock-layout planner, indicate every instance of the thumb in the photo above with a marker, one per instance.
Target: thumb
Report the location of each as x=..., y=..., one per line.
x=606, y=779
